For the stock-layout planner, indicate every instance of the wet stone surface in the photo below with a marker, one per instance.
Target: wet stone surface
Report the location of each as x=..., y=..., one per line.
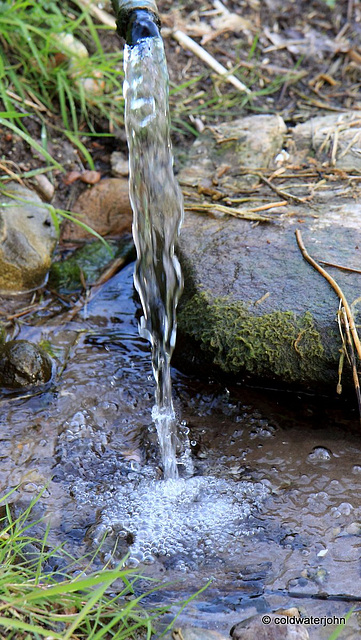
x=270, y=514
x=24, y=364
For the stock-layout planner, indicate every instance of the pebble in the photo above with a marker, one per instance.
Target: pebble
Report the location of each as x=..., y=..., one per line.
x=105, y=207
x=44, y=187
x=24, y=364
x=119, y=164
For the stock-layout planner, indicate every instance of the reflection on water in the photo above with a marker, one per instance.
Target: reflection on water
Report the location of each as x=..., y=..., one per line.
x=272, y=514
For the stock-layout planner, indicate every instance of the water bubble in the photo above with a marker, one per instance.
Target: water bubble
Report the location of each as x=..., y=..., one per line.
x=262, y=431
x=344, y=509
x=318, y=454
x=191, y=517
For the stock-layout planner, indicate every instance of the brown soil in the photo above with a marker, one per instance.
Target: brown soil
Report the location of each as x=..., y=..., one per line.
x=317, y=48
x=299, y=58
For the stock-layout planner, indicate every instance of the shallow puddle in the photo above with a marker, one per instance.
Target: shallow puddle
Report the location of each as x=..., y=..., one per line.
x=268, y=503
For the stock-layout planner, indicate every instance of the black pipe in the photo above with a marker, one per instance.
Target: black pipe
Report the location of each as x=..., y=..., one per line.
x=141, y=24
x=136, y=19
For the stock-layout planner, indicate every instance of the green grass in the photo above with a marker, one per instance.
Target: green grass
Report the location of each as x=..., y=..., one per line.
x=68, y=604
x=72, y=601
x=43, y=76
x=341, y=627
x=49, y=51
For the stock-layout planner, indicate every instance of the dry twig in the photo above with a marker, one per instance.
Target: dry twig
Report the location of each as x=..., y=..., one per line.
x=336, y=288
x=347, y=319
x=352, y=358
x=188, y=43
x=340, y=266
x=236, y=213
x=103, y=16
x=280, y=192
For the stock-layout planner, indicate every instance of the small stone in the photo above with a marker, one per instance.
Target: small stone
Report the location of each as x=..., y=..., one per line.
x=90, y=177
x=93, y=86
x=70, y=46
x=354, y=529
x=282, y=157
x=105, y=207
x=120, y=164
x=24, y=364
x=44, y=187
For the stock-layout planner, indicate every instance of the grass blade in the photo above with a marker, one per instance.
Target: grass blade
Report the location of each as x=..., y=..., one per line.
x=35, y=145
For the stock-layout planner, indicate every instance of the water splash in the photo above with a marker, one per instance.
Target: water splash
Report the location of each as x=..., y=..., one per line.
x=158, y=212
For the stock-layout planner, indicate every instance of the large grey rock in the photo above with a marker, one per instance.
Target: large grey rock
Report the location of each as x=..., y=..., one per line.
x=27, y=240
x=335, y=140
x=252, y=304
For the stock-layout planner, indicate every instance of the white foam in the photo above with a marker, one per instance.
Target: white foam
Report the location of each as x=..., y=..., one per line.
x=191, y=519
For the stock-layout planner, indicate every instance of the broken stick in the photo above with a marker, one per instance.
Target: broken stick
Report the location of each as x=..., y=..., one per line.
x=188, y=43
x=336, y=288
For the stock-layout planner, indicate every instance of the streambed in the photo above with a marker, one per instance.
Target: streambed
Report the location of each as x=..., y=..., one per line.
x=271, y=513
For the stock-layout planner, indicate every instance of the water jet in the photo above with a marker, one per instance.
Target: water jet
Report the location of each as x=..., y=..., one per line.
x=157, y=206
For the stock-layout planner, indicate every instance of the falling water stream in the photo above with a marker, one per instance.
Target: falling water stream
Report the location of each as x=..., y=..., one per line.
x=163, y=518
x=158, y=211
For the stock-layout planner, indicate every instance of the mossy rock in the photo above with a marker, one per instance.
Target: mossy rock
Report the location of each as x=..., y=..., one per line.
x=87, y=263
x=24, y=364
x=279, y=345
x=252, y=306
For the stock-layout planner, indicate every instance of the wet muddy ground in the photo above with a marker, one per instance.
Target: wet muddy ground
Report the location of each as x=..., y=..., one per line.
x=270, y=513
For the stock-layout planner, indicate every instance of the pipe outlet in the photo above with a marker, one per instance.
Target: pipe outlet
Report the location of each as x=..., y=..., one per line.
x=136, y=19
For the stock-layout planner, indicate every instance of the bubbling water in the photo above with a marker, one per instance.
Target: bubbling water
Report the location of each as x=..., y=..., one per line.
x=157, y=216
x=189, y=521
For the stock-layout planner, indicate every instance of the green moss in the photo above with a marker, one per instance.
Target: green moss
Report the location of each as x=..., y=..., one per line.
x=86, y=264
x=278, y=344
